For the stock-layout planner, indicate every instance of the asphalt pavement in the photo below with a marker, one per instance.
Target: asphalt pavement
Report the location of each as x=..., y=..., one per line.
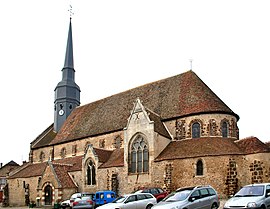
x=24, y=207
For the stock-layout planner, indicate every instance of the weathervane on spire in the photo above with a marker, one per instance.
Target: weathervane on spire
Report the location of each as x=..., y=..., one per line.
x=70, y=11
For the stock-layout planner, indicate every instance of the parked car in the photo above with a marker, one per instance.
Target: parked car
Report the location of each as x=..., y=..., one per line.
x=104, y=197
x=251, y=196
x=65, y=204
x=78, y=196
x=86, y=202
x=199, y=197
x=73, y=197
x=132, y=201
x=159, y=193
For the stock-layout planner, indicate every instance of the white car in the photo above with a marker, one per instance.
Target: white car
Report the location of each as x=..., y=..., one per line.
x=74, y=197
x=65, y=204
x=250, y=196
x=131, y=201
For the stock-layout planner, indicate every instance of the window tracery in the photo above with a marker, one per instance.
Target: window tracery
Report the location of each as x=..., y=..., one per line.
x=139, y=156
x=91, y=173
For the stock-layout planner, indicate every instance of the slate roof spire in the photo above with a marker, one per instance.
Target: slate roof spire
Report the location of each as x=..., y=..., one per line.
x=69, y=51
x=67, y=92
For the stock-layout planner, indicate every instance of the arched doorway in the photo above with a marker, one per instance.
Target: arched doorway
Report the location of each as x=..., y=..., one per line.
x=48, y=195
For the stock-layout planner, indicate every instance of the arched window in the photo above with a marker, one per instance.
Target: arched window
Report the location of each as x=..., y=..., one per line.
x=224, y=129
x=199, y=168
x=91, y=173
x=196, y=130
x=139, y=156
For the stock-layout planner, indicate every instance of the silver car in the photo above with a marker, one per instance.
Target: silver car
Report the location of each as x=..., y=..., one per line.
x=132, y=201
x=251, y=196
x=199, y=197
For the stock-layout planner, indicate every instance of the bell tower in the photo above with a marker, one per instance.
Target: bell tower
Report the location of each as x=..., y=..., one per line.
x=67, y=92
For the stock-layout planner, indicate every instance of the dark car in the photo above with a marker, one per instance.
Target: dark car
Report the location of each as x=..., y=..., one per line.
x=158, y=193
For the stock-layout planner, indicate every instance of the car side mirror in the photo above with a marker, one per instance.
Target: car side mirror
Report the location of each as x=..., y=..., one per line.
x=191, y=199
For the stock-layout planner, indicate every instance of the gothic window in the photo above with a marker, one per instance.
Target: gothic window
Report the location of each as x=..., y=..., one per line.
x=91, y=173
x=199, y=168
x=42, y=156
x=139, y=156
x=224, y=128
x=63, y=152
x=196, y=130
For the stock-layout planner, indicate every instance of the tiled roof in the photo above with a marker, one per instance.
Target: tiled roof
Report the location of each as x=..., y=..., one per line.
x=267, y=144
x=36, y=169
x=201, y=147
x=30, y=170
x=44, y=138
x=103, y=154
x=252, y=145
x=75, y=161
x=177, y=96
x=159, y=126
x=61, y=171
x=116, y=159
x=7, y=168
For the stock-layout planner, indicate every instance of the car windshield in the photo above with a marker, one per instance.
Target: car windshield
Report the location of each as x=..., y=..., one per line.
x=119, y=199
x=250, y=191
x=177, y=196
x=86, y=198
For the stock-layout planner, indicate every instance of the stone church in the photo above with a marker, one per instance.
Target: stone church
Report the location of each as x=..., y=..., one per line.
x=170, y=133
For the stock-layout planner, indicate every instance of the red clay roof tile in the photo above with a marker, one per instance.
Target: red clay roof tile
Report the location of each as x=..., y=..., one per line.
x=177, y=96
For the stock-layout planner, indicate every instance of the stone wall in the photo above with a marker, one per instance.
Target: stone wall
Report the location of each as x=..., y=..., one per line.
x=17, y=194
x=210, y=126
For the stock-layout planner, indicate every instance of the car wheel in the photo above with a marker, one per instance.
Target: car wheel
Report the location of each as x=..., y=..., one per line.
x=149, y=206
x=214, y=206
x=262, y=207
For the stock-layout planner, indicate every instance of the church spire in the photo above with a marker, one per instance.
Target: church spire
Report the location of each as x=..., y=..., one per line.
x=67, y=92
x=69, y=50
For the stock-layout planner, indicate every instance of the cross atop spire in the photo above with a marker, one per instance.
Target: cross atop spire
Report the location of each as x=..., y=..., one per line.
x=71, y=13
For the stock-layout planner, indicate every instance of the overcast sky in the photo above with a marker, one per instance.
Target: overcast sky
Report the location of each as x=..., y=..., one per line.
x=122, y=44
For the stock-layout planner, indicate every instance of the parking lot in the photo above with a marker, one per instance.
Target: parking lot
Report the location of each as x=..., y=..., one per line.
x=221, y=206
